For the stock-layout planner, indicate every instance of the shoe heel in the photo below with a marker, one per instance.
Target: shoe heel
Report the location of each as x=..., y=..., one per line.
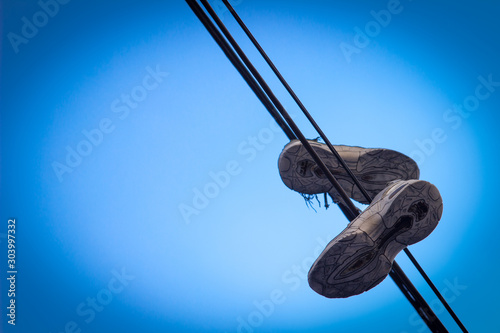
x=425, y=210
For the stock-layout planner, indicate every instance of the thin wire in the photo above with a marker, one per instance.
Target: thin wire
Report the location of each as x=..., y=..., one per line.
x=335, y=153
x=421, y=309
x=228, y=51
x=426, y=313
x=218, y=39
x=436, y=291
x=280, y=107
x=296, y=99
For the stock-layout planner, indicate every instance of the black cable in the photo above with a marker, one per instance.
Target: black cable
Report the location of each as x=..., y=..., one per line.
x=436, y=291
x=418, y=302
x=334, y=152
x=230, y=53
x=219, y=39
x=296, y=99
x=232, y=57
x=278, y=105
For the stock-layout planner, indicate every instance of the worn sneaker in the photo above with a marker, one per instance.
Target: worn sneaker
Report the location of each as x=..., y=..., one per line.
x=374, y=168
x=361, y=256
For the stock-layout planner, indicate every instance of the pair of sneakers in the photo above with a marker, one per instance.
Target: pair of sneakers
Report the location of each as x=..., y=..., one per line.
x=404, y=211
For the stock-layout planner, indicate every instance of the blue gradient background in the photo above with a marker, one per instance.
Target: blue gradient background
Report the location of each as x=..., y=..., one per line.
x=120, y=208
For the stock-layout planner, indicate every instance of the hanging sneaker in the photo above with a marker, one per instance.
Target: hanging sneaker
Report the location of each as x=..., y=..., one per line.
x=361, y=256
x=374, y=168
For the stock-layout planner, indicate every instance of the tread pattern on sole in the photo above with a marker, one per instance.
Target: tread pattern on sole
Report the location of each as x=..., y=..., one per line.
x=361, y=256
x=374, y=168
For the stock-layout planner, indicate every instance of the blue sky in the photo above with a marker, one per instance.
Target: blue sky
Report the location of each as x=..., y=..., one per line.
x=142, y=171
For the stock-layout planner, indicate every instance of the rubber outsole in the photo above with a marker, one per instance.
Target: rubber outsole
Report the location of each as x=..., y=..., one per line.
x=361, y=256
x=374, y=168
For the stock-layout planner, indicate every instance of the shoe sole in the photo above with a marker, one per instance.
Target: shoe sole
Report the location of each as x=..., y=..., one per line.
x=361, y=256
x=374, y=168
